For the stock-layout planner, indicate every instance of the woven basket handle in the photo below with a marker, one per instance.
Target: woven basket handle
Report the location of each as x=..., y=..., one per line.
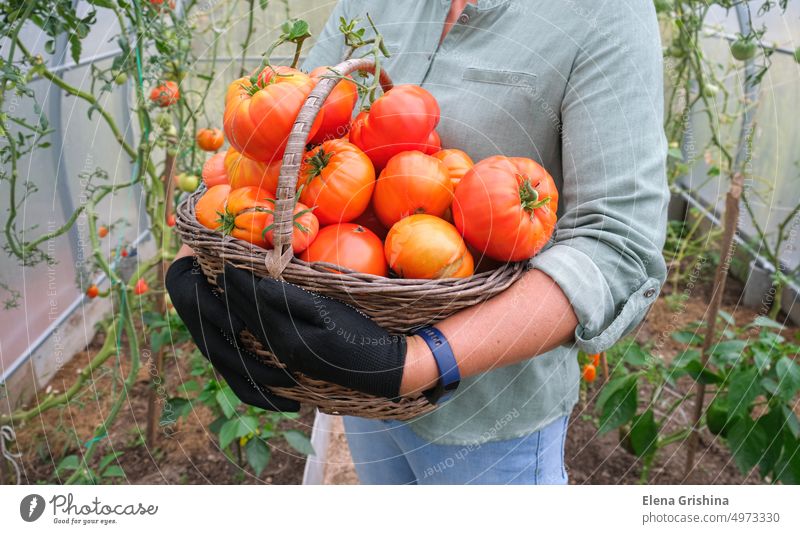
x=279, y=257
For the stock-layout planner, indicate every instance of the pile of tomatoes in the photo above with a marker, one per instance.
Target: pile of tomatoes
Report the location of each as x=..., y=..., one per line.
x=376, y=193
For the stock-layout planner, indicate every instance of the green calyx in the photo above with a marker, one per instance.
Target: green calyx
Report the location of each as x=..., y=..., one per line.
x=529, y=197
x=317, y=163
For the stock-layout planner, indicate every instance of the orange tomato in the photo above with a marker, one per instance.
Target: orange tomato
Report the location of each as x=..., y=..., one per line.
x=261, y=110
x=211, y=206
x=412, y=182
x=210, y=139
x=248, y=212
x=92, y=291
x=141, y=287
x=457, y=163
x=102, y=232
x=165, y=94
x=306, y=227
x=171, y=220
x=424, y=246
x=337, y=109
x=589, y=372
x=243, y=171
x=214, y=172
x=337, y=178
x=350, y=246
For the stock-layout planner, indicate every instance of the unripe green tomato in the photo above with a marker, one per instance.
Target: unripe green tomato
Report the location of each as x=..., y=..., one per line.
x=164, y=120
x=676, y=52
x=188, y=182
x=744, y=49
x=171, y=130
x=710, y=90
x=121, y=78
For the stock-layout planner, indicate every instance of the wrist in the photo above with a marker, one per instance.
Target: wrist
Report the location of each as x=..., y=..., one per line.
x=420, y=371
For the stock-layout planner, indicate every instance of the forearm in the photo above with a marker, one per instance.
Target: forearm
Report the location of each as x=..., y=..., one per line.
x=531, y=317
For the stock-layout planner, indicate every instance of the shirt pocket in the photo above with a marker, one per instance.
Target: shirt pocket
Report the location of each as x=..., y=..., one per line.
x=500, y=77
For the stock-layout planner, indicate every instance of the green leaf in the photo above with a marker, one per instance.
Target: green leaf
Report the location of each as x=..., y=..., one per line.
x=683, y=358
x=765, y=322
x=620, y=407
x=613, y=385
x=687, y=337
x=747, y=442
x=743, y=388
x=729, y=351
x=675, y=153
x=174, y=409
x=228, y=401
x=792, y=422
x=644, y=434
x=787, y=468
x=299, y=442
x=70, y=463
x=108, y=4
x=264, y=4
x=702, y=374
x=727, y=317
x=761, y=359
x=788, y=377
x=114, y=471
x=258, y=455
x=717, y=416
x=236, y=428
x=772, y=424
x=216, y=425
x=636, y=355
x=108, y=458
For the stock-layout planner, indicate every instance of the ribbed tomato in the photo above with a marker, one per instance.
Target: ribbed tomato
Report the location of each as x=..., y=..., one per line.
x=214, y=172
x=211, y=206
x=350, y=246
x=248, y=211
x=457, y=163
x=337, y=109
x=424, y=246
x=210, y=139
x=337, y=178
x=401, y=119
x=412, y=182
x=243, y=172
x=260, y=111
x=306, y=226
x=433, y=144
x=165, y=94
x=506, y=207
x=370, y=221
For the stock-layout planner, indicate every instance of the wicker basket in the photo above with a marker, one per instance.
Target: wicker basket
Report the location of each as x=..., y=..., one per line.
x=396, y=304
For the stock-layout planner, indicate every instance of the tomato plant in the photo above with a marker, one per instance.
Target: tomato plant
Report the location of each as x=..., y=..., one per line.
x=424, y=246
x=350, y=246
x=412, y=183
x=506, y=207
x=402, y=119
x=337, y=179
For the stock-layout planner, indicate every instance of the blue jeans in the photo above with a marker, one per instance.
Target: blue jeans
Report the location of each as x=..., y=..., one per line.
x=389, y=452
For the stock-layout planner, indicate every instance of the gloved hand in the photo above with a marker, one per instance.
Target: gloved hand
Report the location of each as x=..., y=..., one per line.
x=317, y=336
x=216, y=332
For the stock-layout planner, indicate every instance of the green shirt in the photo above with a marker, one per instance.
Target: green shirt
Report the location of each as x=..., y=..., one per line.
x=577, y=86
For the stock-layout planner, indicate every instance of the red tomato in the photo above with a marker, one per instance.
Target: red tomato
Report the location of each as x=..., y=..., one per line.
x=214, y=172
x=166, y=94
x=243, y=171
x=337, y=178
x=433, y=144
x=92, y=291
x=370, y=221
x=141, y=287
x=259, y=116
x=337, y=109
x=401, y=119
x=102, y=232
x=457, y=163
x=412, y=182
x=306, y=227
x=171, y=220
x=424, y=246
x=210, y=139
x=211, y=206
x=350, y=246
x=506, y=207
x=589, y=372
x=248, y=212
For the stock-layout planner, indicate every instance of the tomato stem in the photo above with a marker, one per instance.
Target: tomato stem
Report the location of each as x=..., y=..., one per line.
x=529, y=196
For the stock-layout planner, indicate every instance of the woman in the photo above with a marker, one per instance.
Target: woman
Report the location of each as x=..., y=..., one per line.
x=577, y=86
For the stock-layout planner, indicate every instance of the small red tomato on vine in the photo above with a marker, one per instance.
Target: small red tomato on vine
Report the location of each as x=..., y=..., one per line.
x=595, y=359
x=171, y=219
x=92, y=291
x=124, y=253
x=210, y=139
x=165, y=94
x=141, y=287
x=102, y=232
x=589, y=372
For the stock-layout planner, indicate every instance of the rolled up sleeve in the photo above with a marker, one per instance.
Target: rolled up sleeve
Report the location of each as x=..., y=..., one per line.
x=606, y=253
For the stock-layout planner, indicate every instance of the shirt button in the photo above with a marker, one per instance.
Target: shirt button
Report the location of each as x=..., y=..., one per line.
x=649, y=293
x=463, y=18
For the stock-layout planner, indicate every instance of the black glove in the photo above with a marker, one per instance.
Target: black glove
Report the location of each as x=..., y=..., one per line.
x=317, y=336
x=216, y=332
